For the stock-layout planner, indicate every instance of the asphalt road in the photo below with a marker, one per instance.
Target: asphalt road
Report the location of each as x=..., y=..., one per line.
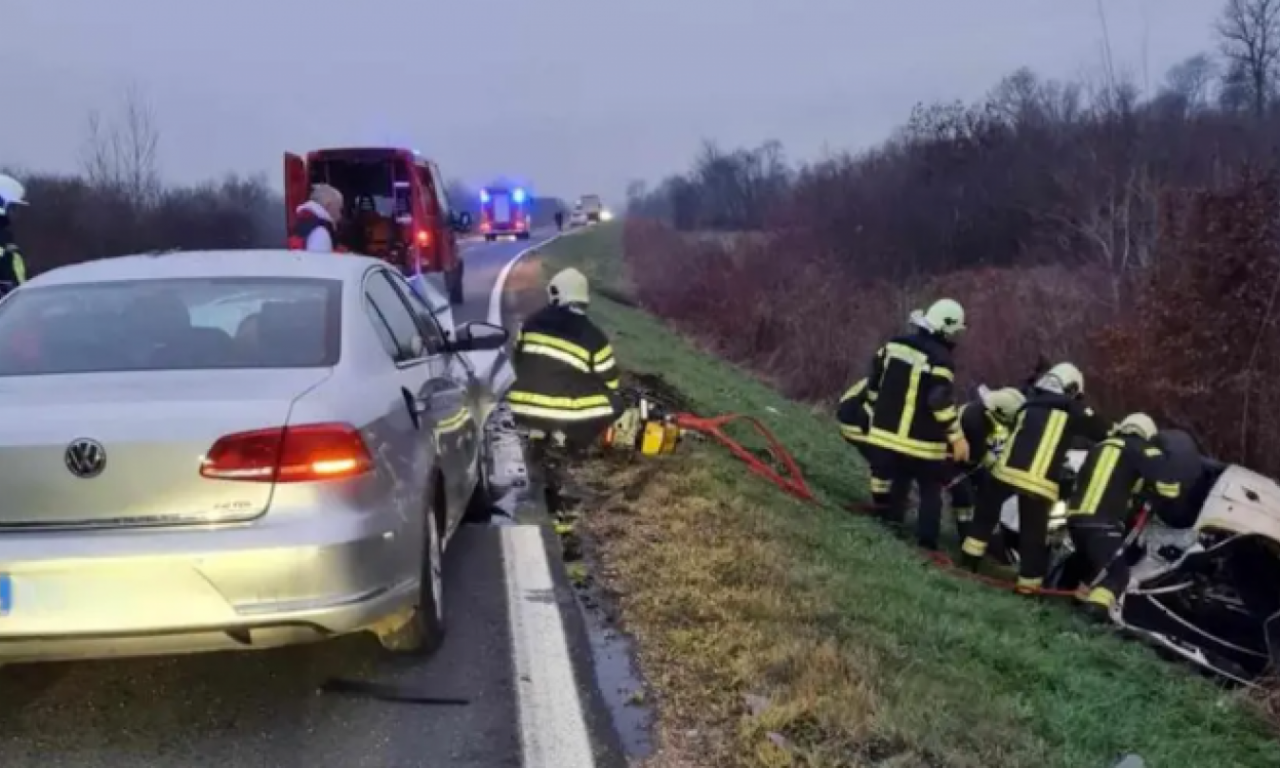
x=268, y=709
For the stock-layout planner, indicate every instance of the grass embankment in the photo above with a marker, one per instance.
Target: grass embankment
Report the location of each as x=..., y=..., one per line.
x=782, y=634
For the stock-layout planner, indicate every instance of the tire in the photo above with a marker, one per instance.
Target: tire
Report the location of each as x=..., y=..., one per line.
x=424, y=632
x=454, y=281
x=523, y=236
x=490, y=238
x=480, y=505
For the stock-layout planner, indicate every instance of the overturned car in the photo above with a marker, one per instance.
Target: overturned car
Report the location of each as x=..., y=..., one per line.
x=1205, y=569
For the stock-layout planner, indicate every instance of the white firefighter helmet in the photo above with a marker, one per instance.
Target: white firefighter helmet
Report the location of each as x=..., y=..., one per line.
x=1003, y=404
x=11, y=193
x=944, y=316
x=568, y=286
x=1063, y=378
x=1139, y=424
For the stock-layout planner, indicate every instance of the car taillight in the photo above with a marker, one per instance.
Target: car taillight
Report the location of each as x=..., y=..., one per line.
x=294, y=454
x=424, y=238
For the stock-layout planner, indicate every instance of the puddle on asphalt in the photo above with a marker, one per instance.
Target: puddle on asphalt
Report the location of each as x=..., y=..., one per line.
x=616, y=675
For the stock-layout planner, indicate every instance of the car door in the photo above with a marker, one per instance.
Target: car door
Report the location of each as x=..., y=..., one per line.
x=411, y=416
x=456, y=434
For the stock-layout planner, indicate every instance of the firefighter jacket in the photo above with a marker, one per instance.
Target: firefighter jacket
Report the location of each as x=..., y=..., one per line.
x=1046, y=427
x=13, y=268
x=986, y=436
x=1117, y=470
x=910, y=391
x=565, y=369
x=854, y=412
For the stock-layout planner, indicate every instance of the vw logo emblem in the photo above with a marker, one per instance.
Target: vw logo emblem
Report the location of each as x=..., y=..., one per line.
x=86, y=458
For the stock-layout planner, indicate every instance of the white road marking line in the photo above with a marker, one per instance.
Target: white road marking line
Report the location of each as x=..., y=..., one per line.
x=499, y=285
x=553, y=732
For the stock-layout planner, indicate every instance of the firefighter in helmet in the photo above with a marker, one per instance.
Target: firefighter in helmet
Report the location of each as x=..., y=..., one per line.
x=1030, y=466
x=1116, y=474
x=317, y=223
x=914, y=424
x=986, y=423
x=13, y=269
x=566, y=377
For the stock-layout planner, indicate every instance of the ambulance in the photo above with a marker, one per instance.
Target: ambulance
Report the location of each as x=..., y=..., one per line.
x=396, y=208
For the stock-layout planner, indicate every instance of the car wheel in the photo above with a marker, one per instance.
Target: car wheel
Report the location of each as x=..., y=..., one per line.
x=424, y=632
x=454, y=280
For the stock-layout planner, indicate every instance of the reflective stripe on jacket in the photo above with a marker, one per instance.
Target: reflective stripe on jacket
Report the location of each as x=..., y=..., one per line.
x=910, y=391
x=1045, y=429
x=1116, y=470
x=565, y=368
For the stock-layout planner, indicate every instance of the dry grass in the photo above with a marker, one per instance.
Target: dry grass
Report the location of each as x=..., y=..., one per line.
x=781, y=634
x=715, y=610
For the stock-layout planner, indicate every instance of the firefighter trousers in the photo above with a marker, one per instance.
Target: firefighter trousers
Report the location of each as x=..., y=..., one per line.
x=579, y=434
x=965, y=483
x=1100, y=540
x=879, y=486
x=1033, y=531
x=895, y=473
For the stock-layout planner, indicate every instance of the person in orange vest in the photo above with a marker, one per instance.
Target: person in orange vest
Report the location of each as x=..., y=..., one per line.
x=316, y=226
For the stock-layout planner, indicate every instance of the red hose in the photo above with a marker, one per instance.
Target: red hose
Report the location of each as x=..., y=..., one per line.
x=794, y=484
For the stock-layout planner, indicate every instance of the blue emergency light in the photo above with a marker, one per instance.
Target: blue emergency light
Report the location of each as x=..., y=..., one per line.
x=518, y=196
x=484, y=195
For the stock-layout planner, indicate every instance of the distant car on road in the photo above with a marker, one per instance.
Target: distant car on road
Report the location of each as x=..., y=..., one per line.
x=224, y=450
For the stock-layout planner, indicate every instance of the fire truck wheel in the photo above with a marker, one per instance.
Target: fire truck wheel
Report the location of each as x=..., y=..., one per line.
x=490, y=238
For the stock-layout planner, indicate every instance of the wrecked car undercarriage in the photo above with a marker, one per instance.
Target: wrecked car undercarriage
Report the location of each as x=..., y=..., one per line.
x=1205, y=569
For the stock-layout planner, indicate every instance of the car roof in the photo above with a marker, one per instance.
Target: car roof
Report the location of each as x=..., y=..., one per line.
x=241, y=263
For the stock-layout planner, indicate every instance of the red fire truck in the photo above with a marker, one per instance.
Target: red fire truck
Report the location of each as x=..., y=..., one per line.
x=504, y=211
x=396, y=207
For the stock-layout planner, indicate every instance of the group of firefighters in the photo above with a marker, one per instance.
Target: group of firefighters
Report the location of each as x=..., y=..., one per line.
x=903, y=417
x=1009, y=442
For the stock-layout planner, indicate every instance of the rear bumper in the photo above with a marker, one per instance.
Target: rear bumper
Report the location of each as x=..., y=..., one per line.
x=160, y=591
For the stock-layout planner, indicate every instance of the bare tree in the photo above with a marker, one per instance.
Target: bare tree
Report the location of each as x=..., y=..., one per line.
x=1190, y=80
x=1250, y=34
x=123, y=154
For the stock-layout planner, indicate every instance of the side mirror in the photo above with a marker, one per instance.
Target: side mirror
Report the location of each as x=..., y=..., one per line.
x=462, y=221
x=478, y=336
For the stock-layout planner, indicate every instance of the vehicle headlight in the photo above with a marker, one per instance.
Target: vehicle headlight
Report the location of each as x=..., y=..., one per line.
x=606, y=215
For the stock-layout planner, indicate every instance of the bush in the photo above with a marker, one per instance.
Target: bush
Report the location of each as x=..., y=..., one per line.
x=71, y=219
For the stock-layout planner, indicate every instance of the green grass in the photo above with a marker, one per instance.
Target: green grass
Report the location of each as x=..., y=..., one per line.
x=864, y=652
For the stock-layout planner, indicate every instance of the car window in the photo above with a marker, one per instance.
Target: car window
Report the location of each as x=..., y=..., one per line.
x=388, y=306
x=171, y=324
x=437, y=184
x=431, y=332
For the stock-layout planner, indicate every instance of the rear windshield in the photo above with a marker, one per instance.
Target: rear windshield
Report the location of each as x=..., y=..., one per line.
x=171, y=325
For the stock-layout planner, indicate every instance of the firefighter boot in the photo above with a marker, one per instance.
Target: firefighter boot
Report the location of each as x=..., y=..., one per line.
x=1098, y=604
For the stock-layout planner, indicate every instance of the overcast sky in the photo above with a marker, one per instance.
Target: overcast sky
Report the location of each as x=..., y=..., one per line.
x=574, y=95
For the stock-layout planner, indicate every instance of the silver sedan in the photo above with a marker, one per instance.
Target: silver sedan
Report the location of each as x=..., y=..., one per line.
x=242, y=449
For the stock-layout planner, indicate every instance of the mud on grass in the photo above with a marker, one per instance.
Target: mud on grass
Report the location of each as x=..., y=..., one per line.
x=775, y=633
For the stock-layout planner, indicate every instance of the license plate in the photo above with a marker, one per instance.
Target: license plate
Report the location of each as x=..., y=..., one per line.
x=6, y=594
